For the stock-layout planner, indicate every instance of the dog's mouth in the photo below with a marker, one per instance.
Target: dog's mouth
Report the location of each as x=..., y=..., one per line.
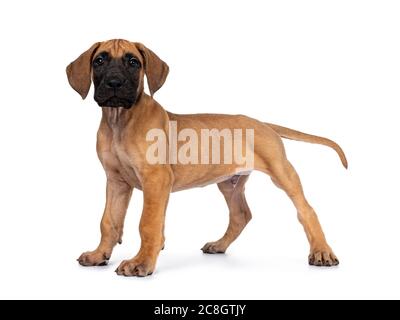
x=117, y=102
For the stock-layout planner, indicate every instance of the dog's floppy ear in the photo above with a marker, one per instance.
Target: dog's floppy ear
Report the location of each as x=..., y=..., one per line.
x=155, y=69
x=79, y=71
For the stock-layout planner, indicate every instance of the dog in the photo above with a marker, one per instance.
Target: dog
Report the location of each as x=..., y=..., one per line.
x=117, y=69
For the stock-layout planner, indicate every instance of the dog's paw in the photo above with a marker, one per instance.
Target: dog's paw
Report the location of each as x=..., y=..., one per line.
x=213, y=247
x=323, y=258
x=93, y=258
x=134, y=268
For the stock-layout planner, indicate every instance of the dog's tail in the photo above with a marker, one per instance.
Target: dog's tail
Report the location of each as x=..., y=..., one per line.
x=300, y=136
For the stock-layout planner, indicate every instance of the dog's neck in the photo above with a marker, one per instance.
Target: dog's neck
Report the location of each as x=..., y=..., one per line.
x=117, y=117
x=116, y=121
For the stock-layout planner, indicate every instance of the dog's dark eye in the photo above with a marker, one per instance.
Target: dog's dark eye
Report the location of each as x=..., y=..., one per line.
x=134, y=62
x=98, y=61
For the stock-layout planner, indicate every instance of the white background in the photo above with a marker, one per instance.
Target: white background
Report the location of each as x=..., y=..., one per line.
x=326, y=67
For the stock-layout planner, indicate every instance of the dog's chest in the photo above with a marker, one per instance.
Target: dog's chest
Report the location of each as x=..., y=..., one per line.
x=125, y=164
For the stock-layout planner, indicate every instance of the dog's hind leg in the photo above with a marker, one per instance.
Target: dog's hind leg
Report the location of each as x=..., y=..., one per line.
x=285, y=177
x=239, y=213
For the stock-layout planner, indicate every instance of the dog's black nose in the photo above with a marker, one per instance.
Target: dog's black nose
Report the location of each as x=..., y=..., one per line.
x=114, y=83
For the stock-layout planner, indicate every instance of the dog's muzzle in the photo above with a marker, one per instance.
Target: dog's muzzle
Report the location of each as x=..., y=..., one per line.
x=114, y=92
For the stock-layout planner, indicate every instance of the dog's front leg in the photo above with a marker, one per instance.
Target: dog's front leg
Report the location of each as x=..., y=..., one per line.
x=118, y=195
x=157, y=185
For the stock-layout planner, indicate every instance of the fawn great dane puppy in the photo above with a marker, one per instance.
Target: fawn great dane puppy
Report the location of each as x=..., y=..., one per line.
x=117, y=69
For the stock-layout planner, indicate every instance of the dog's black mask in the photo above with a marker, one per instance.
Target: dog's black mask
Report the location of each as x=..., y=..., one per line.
x=116, y=80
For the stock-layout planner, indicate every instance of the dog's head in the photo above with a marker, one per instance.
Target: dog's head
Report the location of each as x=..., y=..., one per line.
x=117, y=68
